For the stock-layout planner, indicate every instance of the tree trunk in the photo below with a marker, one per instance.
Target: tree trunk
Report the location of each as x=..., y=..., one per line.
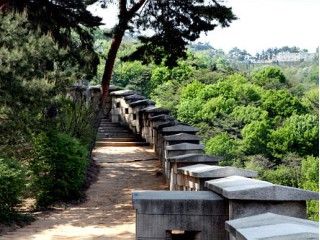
x=124, y=17
x=108, y=69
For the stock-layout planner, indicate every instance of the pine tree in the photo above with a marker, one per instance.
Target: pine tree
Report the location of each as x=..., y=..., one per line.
x=173, y=23
x=67, y=21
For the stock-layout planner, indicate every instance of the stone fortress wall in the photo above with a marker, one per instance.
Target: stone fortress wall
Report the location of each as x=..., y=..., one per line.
x=205, y=201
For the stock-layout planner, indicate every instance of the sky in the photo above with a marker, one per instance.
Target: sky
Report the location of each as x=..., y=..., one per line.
x=261, y=24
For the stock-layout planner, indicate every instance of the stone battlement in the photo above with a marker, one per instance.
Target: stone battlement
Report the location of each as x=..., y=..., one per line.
x=206, y=201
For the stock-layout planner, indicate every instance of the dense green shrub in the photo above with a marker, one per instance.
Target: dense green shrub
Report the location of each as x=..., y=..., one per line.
x=299, y=133
x=269, y=77
x=167, y=96
x=58, y=168
x=223, y=145
x=310, y=181
x=283, y=175
x=12, y=183
x=255, y=137
x=281, y=103
x=76, y=119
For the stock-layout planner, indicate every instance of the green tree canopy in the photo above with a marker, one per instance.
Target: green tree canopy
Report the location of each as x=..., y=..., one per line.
x=69, y=23
x=171, y=26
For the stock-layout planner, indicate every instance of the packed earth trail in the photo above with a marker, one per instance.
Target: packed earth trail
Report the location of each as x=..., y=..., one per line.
x=125, y=165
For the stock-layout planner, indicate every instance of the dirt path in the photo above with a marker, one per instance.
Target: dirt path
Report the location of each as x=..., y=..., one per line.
x=108, y=213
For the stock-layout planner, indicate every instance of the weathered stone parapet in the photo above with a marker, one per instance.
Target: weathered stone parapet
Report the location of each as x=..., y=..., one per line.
x=132, y=113
x=179, y=128
x=120, y=108
x=158, y=137
x=175, y=162
x=147, y=113
x=178, y=150
x=180, y=138
x=113, y=88
x=192, y=178
x=143, y=103
x=153, y=122
x=249, y=197
x=195, y=215
x=136, y=107
x=272, y=226
x=122, y=93
x=182, y=149
x=133, y=98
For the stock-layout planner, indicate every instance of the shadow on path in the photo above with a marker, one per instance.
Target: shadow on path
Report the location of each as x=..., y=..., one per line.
x=108, y=212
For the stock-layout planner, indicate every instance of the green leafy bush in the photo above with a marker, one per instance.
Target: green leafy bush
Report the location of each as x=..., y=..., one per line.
x=12, y=183
x=298, y=133
x=269, y=77
x=167, y=95
x=281, y=103
x=255, y=137
x=283, y=175
x=310, y=181
x=76, y=119
x=223, y=145
x=59, y=167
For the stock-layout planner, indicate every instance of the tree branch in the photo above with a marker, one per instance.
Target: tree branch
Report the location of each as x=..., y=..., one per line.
x=123, y=7
x=135, y=8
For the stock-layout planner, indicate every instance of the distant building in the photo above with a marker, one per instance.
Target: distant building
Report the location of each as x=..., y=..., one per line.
x=282, y=57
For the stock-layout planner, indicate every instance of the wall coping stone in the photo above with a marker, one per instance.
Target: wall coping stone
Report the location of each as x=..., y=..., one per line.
x=134, y=98
x=95, y=88
x=122, y=93
x=180, y=128
x=242, y=188
x=155, y=110
x=184, y=146
x=144, y=102
x=194, y=157
x=178, y=203
x=181, y=137
x=173, y=195
x=147, y=108
x=160, y=125
x=113, y=88
x=160, y=117
x=272, y=226
x=166, y=118
x=209, y=171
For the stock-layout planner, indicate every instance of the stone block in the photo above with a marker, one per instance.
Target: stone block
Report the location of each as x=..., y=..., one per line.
x=161, y=117
x=181, y=137
x=173, y=163
x=272, y=226
x=158, y=136
x=193, y=177
x=113, y=88
x=180, y=128
x=159, y=213
x=147, y=112
x=133, y=98
x=183, y=149
x=249, y=197
x=145, y=102
x=122, y=93
x=156, y=110
x=237, y=187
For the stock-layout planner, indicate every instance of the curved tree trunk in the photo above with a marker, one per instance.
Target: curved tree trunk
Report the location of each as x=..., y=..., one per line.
x=108, y=69
x=124, y=17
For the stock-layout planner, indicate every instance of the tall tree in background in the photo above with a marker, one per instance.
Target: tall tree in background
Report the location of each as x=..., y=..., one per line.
x=169, y=25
